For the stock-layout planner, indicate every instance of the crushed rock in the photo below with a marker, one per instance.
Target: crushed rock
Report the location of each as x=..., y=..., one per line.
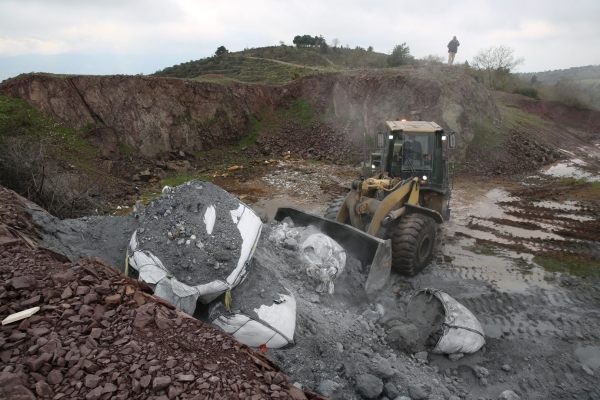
x=173, y=228
x=101, y=334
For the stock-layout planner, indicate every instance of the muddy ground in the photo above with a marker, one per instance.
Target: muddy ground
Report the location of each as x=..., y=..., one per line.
x=495, y=256
x=541, y=324
x=541, y=327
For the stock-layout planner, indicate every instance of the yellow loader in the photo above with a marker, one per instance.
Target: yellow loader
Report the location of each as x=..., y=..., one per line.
x=388, y=218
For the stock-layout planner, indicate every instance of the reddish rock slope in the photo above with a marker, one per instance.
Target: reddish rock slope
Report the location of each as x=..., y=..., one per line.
x=101, y=335
x=155, y=115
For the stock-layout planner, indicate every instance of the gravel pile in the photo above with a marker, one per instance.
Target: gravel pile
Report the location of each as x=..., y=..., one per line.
x=100, y=335
x=177, y=229
x=325, y=141
x=517, y=154
x=345, y=344
x=261, y=287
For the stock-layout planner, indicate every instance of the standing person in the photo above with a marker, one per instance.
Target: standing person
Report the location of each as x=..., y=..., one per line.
x=452, y=49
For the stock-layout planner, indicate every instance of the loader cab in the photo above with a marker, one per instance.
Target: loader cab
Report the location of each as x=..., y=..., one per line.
x=415, y=149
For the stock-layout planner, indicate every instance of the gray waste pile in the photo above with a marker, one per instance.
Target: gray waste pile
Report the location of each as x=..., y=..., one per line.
x=321, y=257
x=348, y=344
x=263, y=310
x=193, y=243
x=442, y=325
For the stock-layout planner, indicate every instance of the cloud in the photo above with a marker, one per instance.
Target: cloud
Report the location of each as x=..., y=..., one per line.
x=192, y=29
x=13, y=47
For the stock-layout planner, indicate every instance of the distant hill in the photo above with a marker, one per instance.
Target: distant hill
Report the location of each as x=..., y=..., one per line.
x=275, y=65
x=587, y=74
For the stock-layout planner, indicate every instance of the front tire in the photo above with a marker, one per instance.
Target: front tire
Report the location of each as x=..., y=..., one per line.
x=413, y=242
x=334, y=207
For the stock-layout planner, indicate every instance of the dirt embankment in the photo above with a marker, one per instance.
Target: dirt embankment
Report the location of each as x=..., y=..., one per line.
x=582, y=118
x=150, y=115
x=99, y=334
x=449, y=96
x=157, y=115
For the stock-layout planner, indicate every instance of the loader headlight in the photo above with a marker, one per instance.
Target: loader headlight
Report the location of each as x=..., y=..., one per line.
x=391, y=137
x=443, y=137
x=424, y=177
x=373, y=166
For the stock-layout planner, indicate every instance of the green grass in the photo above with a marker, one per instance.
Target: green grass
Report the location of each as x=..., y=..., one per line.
x=223, y=80
x=258, y=127
x=240, y=67
x=578, y=182
x=488, y=251
x=177, y=180
x=301, y=111
x=487, y=135
x=236, y=68
x=514, y=117
x=19, y=119
x=569, y=264
x=124, y=149
x=593, y=81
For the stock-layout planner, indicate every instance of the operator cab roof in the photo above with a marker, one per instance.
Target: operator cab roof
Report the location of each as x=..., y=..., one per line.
x=414, y=126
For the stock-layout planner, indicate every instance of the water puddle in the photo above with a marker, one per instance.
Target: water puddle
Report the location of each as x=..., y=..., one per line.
x=569, y=170
x=496, y=330
x=518, y=233
x=506, y=269
x=589, y=355
x=581, y=218
x=477, y=215
x=568, y=205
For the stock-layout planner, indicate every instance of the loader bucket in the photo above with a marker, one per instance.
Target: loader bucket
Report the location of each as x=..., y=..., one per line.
x=371, y=251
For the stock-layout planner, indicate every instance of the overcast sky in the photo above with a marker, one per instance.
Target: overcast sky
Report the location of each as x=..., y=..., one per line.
x=143, y=36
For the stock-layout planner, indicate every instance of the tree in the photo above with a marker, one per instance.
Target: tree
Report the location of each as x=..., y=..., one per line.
x=335, y=42
x=495, y=64
x=281, y=43
x=221, y=51
x=533, y=80
x=370, y=49
x=400, y=56
x=307, y=40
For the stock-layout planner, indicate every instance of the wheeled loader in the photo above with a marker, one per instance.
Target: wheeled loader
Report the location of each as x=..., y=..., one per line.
x=388, y=218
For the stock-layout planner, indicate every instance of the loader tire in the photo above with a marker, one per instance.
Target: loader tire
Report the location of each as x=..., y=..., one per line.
x=334, y=207
x=412, y=244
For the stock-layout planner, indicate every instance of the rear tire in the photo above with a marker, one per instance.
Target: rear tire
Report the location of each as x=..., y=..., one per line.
x=334, y=207
x=412, y=244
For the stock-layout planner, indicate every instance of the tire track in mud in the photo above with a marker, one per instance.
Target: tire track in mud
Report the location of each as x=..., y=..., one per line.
x=562, y=313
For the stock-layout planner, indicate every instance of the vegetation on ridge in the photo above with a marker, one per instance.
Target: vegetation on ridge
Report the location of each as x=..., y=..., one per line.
x=46, y=161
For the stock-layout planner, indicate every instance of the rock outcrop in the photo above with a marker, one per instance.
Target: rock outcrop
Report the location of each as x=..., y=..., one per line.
x=157, y=115
x=450, y=96
x=151, y=115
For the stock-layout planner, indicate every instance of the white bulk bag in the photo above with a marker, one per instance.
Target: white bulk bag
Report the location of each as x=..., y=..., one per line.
x=325, y=259
x=462, y=332
x=153, y=271
x=274, y=325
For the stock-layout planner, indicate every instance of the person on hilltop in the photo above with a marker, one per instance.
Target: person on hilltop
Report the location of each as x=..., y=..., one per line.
x=452, y=49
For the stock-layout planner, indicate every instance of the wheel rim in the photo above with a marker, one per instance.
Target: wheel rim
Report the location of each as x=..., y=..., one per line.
x=423, y=249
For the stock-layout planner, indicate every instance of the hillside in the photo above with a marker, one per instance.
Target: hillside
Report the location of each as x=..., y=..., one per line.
x=275, y=65
x=589, y=74
x=132, y=133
